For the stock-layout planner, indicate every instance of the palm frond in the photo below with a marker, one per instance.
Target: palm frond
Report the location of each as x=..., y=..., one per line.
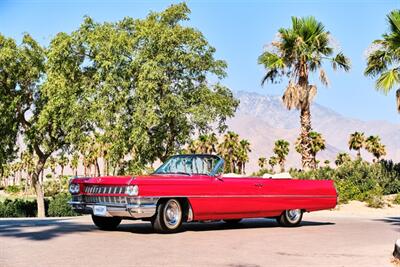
x=341, y=61
x=394, y=21
x=387, y=80
x=292, y=96
x=272, y=63
x=323, y=77
x=377, y=62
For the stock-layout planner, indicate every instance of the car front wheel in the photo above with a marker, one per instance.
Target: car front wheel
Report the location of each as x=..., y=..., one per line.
x=106, y=223
x=290, y=218
x=169, y=217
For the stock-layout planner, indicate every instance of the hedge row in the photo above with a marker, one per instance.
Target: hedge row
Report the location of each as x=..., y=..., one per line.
x=56, y=206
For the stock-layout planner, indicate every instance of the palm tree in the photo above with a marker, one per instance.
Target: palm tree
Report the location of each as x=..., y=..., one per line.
x=327, y=162
x=243, y=155
x=342, y=158
x=228, y=149
x=299, y=51
x=74, y=163
x=281, y=150
x=383, y=62
x=62, y=161
x=262, y=161
x=356, y=142
x=373, y=145
x=52, y=164
x=317, y=144
x=272, y=162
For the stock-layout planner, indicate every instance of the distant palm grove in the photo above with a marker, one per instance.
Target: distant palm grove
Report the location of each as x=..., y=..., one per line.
x=129, y=94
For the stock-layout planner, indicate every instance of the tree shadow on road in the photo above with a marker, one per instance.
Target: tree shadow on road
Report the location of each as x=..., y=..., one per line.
x=217, y=226
x=43, y=229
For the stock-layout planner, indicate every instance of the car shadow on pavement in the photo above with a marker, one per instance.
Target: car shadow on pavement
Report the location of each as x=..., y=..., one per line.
x=145, y=228
x=46, y=229
x=43, y=229
x=395, y=221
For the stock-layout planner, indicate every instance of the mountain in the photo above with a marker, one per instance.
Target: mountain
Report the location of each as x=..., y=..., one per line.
x=262, y=119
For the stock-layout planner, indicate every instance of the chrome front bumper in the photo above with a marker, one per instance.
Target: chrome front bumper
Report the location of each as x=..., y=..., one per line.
x=138, y=208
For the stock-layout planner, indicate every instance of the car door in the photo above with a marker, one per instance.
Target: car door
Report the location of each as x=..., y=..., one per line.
x=232, y=197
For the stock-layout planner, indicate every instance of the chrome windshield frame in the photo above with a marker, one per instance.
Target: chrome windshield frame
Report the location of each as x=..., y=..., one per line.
x=213, y=172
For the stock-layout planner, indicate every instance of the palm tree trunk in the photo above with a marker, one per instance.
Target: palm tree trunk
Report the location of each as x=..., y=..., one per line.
x=359, y=153
x=97, y=167
x=305, y=121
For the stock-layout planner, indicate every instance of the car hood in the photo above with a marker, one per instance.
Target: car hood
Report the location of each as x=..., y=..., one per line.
x=140, y=179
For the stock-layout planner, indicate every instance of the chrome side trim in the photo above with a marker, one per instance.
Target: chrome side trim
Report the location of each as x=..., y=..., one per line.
x=246, y=196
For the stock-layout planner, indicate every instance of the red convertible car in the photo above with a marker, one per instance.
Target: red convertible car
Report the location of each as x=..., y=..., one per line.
x=193, y=188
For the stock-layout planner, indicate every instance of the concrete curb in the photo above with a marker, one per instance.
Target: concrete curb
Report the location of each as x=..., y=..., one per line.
x=396, y=252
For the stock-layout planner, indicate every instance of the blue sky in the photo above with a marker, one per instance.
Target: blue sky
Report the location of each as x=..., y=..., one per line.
x=239, y=30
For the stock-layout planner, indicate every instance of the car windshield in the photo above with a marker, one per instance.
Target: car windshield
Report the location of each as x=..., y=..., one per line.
x=191, y=164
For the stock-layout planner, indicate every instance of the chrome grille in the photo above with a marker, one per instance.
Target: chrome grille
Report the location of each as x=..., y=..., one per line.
x=104, y=189
x=105, y=199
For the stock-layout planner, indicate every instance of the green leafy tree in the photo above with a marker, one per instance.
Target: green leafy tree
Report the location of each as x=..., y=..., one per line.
x=383, y=62
x=342, y=158
x=299, y=51
x=356, y=142
x=281, y=150
x=149, y=84
x=44, y=96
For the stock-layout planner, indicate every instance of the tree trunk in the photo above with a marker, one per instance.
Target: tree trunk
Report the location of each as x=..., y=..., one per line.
x=359, y=153
x=305, y=121
x=38, y=187
x=282, y=166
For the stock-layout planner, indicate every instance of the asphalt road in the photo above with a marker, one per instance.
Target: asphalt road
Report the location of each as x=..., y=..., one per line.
x=320, y=241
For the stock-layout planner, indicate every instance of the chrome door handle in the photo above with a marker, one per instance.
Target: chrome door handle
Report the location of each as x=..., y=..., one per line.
x=259, y=185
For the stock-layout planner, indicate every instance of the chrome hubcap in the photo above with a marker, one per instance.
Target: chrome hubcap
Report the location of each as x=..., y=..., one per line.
x=293, y=215
x=172, y=214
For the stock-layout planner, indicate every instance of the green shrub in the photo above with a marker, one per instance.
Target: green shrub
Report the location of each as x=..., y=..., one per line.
x=358, y=180
x=396, y=200
x=59, y=207
x=55, y=207
x=13, y=189
x=18, y=208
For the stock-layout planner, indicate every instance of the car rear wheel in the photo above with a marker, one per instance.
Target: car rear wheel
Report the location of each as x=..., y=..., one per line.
x=290, y=218
x=106, y=223
x=233, y=221
x=169, y=217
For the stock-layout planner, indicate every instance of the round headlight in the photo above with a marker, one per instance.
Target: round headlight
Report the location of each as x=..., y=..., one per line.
x=132, y=190
x=74, y=188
